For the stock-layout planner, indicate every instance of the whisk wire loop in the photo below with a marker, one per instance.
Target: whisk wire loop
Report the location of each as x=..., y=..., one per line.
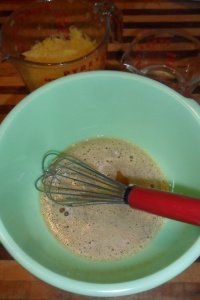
x=68, y=181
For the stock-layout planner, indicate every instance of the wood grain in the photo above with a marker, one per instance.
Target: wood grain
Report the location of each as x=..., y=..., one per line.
x=139, y=15
x=17, y=283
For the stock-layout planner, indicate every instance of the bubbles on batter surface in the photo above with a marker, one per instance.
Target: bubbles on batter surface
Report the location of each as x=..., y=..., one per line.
x=106, y=232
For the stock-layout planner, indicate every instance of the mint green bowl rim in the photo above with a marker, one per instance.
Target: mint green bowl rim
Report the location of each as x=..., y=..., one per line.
x=81, y=287
x=99, y=290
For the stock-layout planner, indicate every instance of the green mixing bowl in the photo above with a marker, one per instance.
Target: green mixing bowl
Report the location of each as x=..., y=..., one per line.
x=86, y=105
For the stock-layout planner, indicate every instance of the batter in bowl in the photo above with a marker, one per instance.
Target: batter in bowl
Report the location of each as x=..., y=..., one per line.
x=107, y=232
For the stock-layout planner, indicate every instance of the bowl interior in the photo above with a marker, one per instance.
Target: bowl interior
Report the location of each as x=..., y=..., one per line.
x=83, y=106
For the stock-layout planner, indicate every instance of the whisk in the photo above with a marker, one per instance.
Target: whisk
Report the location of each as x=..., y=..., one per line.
x=69, y=181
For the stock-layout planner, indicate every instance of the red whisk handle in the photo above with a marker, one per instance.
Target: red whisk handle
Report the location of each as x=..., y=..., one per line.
x=165, y=204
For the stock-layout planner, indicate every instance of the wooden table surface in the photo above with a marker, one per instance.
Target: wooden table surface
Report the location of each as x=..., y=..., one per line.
x=138, y=16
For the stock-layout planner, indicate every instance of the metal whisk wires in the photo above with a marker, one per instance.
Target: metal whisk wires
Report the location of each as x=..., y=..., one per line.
x=68, y=181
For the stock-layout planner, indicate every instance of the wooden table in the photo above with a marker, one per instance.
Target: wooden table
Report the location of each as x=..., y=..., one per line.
x=139, y=15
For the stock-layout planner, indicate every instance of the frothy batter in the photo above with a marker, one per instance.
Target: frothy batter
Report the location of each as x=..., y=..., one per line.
x=104, y=232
